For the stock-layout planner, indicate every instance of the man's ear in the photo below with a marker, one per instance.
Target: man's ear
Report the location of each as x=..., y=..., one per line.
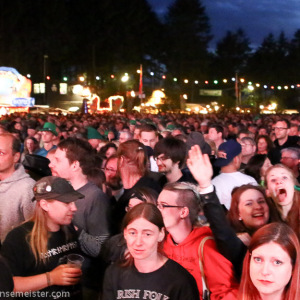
x=75, y=165
x=237, y=160
x=17, y=156
x=184, y=212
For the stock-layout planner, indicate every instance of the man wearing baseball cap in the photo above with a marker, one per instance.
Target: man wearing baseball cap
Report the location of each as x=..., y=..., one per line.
x=49, y=134
x=229, y=160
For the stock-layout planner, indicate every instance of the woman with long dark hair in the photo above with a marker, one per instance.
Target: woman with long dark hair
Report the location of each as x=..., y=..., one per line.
x=257, y=167
x=146, y=273
x=264, y=144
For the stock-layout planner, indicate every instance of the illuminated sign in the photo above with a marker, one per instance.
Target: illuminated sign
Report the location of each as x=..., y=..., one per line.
x=213, y=93
x=23, y=102
x=13, y=85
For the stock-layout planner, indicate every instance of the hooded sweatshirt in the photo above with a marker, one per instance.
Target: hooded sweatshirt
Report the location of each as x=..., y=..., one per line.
x=218, y=270
x=15, y=200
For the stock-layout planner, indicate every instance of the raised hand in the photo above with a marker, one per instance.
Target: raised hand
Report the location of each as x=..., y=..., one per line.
x=200, y=166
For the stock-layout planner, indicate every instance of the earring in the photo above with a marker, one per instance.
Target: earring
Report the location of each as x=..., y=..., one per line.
x=240, y=219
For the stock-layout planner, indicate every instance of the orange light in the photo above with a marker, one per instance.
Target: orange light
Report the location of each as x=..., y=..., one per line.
x=164, y=77
x=48, y=77
x=206, y=82
x=112, y=76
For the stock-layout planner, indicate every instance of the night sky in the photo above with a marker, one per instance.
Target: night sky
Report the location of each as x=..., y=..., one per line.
x=257, y=18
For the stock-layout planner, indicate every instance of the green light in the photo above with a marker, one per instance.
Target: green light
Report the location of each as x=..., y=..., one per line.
x=216, y=82
x=65, y=78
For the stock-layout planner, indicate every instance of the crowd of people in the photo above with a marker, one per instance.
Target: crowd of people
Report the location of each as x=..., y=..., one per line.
x=165, y=206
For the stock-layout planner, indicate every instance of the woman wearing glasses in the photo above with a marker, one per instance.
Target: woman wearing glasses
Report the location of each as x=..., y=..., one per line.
x=37, y=250
x=146, y=273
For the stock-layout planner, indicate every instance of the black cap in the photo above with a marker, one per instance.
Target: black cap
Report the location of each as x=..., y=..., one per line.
x=37, y=164
x=55, y=188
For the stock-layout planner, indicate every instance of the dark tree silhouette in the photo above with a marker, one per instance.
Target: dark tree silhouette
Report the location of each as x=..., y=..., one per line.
x=232, y=53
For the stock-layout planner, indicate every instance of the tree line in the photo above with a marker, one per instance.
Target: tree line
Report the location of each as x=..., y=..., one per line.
x=112, y=37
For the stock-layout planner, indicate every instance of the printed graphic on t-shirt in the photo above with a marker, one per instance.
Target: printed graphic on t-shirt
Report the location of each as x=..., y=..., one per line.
x=59, y=250
x=140, y=294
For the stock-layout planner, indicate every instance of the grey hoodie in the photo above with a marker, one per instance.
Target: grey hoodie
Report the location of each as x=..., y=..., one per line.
x=15, y=200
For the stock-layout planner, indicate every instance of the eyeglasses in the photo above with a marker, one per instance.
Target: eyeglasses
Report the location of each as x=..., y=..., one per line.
x=288, y=158
x=279, y=128
x=162, y=206
x=161, y=158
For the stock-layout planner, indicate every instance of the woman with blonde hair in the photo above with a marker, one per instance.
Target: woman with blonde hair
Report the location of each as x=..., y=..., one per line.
x=280, y=186
x=37, y=250
x=272, y=265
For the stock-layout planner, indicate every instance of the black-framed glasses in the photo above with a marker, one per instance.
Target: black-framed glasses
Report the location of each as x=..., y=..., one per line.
x=288, y=157
x=109, y=170
x=161, y=158
x=162, y=206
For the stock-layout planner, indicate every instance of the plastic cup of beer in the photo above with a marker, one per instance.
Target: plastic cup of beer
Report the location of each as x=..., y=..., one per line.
x=75, y=260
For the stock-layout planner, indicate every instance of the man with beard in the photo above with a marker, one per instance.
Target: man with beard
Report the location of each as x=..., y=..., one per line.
x=170, y=155
x=114, y=187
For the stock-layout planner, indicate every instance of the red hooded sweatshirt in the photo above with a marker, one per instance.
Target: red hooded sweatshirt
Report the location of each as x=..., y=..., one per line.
x=218, y=270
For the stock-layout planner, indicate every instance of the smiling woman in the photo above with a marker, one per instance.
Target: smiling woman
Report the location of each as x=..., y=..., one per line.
x=146, y=273
x=250, y=209
x=272, y=265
